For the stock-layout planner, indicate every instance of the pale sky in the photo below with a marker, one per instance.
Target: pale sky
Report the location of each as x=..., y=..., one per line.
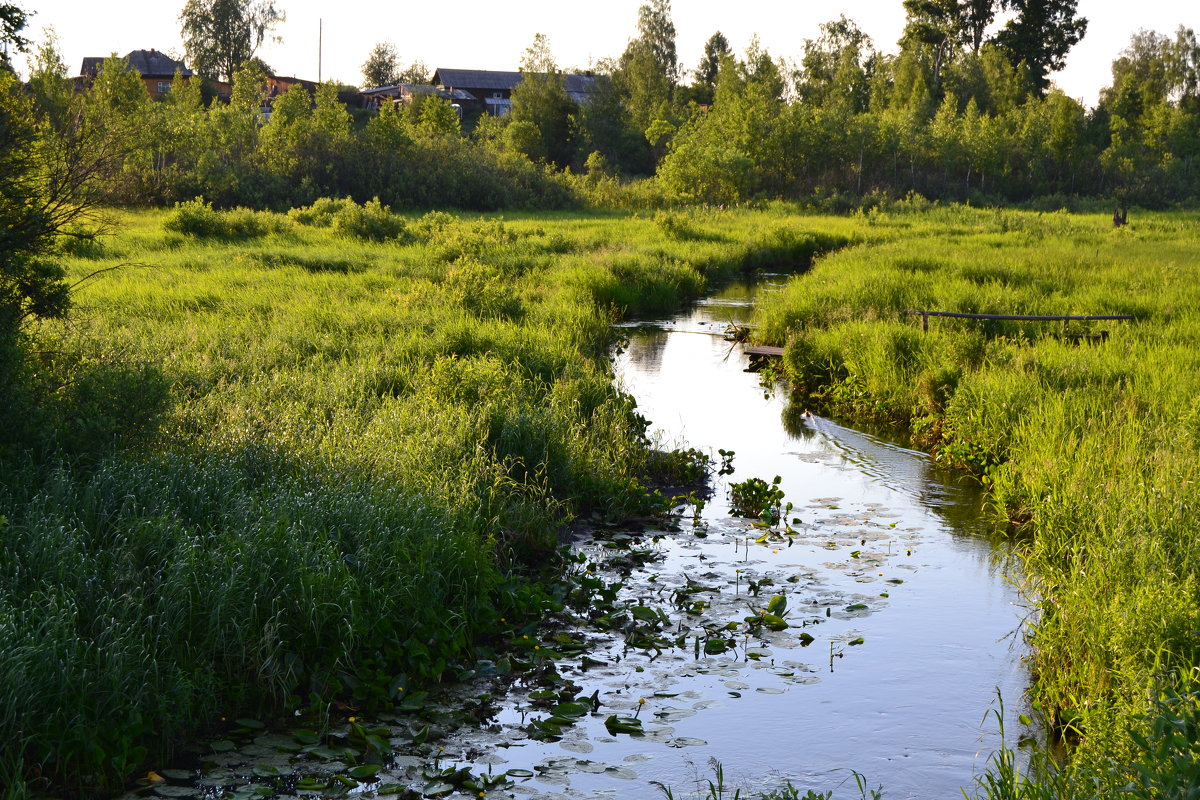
x=488, y=35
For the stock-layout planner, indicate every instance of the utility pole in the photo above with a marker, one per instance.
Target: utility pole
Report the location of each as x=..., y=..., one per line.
x=320, y=43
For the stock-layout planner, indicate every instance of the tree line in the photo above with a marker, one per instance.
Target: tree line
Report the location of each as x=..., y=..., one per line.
x=963, y=110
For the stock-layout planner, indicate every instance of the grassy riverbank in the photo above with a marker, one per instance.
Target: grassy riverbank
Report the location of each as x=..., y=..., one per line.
x=272, y=462
x=1091, y=449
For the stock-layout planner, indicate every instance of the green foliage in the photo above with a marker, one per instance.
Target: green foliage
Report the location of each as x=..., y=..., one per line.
x=198, y=218
x=382, y=67
x=542, y=113
x=12, y=21
x=754, y=497
x=372, y=221
x=222, y=35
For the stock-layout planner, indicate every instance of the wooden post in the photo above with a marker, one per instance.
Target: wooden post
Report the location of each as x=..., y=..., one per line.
x=924, y=323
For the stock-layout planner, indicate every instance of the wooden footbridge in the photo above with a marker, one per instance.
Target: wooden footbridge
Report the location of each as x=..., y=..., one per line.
x=760, y=353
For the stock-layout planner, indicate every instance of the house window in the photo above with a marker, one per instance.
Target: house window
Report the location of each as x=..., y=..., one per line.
x=498, y=95
x=164, y=87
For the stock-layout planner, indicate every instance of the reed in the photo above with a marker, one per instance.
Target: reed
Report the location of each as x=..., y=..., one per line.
x=269, y=463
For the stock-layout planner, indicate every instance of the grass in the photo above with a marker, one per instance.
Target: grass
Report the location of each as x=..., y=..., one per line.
x=270, y=463
x=1090, y=451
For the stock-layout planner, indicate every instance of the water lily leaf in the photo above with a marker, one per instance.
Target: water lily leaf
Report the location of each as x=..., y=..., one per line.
x=266, y=771
x=686, y=741
x=306, y=737
x=364, y=772
x=311, y=784
x=714, y=647
x=616, y=724
x=178, y=774
x=519, y=773
x=773, y=622
x=414, y=701
x=222, y=746
x=437, y=790
x=644, y=613
x=857, y=607
x=853, y=642
x=570, y=710
x=252, y=724
x=805, y=639
x=389, y=788
x=777, y=605
x=326, y=753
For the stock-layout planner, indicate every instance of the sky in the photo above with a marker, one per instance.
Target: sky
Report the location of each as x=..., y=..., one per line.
x=474, y=34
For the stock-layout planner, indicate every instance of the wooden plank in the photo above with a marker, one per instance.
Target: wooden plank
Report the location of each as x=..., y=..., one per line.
x=763, y=350
x=1020, y=317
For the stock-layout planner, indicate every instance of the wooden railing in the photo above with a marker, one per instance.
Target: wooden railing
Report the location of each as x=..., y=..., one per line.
x=925, y=315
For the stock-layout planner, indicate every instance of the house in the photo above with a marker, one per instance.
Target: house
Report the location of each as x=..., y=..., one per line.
x=494, y=87
x=405, y=93
x=157, y=70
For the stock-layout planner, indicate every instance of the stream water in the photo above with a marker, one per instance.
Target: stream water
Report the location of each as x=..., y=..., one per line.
x=895, y=633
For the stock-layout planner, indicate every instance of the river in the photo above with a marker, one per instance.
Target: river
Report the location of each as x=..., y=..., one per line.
x=895, y=631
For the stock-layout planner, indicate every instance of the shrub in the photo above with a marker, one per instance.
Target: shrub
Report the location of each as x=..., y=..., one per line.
x=198, y=218
x=320, y=214
x=372, y=221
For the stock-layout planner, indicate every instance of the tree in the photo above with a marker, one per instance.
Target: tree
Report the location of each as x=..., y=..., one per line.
x=51, y=181
x=541, y=100
x=976, y=16
x=439, y=118
x=715, y=48
x=649, y=66
x=382, y=67
x=48, y=81
x=417, y=73
x=12, y=22
x=834, y=64
x=1041, y=35
x=657, y=32
x=219, y=35
x=936, y=25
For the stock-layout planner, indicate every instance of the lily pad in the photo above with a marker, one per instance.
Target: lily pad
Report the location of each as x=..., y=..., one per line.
x=616, y=724
x=686, y=741
x=364, y=772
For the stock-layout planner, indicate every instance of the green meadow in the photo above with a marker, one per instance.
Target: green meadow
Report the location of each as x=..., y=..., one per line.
x=1086, y=434
x=274, y=462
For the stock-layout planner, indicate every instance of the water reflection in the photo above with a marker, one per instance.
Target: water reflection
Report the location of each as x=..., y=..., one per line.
x=907, y=710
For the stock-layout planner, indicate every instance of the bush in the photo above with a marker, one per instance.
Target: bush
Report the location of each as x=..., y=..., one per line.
x=198, y=218
x=320, y=214
x=372, y=221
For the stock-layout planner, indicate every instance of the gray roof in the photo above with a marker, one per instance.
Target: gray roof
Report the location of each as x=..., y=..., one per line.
x=149, y=63
x=500, y=80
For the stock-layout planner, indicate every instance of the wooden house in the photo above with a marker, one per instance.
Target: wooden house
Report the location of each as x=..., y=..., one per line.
x=157, y=70
x=493, y=88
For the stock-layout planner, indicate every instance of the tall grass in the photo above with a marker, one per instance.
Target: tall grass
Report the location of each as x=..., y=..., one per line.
x=271, y=462
x=1088, y=448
